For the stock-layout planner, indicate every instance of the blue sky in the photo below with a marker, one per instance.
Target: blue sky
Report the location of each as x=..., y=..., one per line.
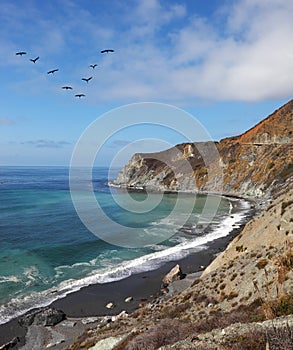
x=228, y=63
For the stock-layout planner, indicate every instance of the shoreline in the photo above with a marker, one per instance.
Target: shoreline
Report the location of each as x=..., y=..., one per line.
x=144, y=287
x=146, y=189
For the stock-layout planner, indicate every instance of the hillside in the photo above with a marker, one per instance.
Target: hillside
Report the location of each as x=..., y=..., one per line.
x=229, y=306
x=243, y=299
x=251, y=164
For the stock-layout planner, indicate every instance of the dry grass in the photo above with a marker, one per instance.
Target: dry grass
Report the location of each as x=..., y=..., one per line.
x=166, y=332
x=280, y=338
x=274, y=339
x=253, y=341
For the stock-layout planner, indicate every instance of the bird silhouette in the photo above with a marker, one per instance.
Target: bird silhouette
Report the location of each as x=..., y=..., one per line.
x=34, y=60
x=67, y=87
x=87, y=79
x=107, y=51
x=20, y=53
x=93, y=66
x=79, y=95
x=52, y=71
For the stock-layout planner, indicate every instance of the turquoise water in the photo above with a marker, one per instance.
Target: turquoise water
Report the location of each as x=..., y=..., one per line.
x=46, y=252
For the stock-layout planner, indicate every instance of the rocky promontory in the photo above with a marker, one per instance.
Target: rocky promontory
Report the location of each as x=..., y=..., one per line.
x=243, y=299
x=254, y=164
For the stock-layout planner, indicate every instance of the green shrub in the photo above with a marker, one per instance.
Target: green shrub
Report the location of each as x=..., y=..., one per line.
x=283, y=306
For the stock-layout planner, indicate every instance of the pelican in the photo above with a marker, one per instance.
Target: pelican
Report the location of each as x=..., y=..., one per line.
x=87, y=79
x=107, y=51
x=20, y=53
x=52, y=71
x=79, y=95
x=93, y=66
x=67, y=87
x=34, y=60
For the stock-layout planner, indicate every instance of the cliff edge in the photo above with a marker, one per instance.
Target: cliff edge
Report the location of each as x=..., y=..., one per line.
x=256, y=163
x=243, y=299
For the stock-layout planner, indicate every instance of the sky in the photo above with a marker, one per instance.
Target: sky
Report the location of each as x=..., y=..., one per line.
x=228, y=63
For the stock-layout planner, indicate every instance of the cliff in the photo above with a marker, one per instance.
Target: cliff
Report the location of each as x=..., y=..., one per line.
x=243, y=299
x=250, y=281
x=254, y=163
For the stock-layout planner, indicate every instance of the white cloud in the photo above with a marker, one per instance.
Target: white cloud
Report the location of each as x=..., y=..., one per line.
x=257, y=65
x=164, y=53
x=249, y=59
x=152, y=12
x=46, y=143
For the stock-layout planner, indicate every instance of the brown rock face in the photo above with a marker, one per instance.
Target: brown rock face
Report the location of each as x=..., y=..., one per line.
x=258, y=162
x=174, y=275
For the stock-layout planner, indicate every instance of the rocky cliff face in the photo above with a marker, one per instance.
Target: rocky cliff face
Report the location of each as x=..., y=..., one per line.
x=251, y=280
x=252, y=164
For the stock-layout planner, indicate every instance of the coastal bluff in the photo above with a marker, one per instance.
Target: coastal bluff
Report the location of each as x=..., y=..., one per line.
x=256, y=163
x=243, y=299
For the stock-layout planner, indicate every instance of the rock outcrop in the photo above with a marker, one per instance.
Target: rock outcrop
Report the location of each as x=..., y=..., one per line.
x=252, y=279
x=252, y=164
x=10, y=345
x=174, y=274
x=42, y=317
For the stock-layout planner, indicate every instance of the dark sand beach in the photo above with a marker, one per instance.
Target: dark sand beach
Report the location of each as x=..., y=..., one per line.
x=91, y=301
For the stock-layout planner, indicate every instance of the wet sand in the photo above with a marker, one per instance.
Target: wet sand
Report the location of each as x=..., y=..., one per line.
x=91, y=301
x=144, y=287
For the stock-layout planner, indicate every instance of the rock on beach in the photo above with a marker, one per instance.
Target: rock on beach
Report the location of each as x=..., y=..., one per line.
x=174, y=274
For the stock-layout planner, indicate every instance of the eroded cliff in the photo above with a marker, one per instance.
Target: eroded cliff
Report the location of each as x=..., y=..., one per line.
x=252, y=164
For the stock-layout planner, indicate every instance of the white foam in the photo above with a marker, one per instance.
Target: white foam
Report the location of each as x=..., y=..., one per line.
x=31, y=273
x=152, y=261
x=5, y=279
x=230, y=207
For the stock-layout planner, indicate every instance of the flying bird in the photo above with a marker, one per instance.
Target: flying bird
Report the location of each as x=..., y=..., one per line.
x=79, y=95
x=52, y=71
x=93, y=66
x=67, y=87
x=107, y=51
x=34, y=59
x=87, y=79
x=20, y=53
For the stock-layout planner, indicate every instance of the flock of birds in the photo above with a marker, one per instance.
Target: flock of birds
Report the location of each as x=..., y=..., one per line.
x=67, y=87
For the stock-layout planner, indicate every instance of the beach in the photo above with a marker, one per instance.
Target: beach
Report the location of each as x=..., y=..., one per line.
x=62, y=266
x=91, y=301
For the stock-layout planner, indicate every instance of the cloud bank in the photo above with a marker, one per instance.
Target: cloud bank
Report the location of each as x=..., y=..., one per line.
x=46, y=143
x=163, y=51
x=248, y=56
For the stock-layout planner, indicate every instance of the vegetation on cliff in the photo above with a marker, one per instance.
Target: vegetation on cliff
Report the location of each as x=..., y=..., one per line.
x=251, y=164
x=243, y=299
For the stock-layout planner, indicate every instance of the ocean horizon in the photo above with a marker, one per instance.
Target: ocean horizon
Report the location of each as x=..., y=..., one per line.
x=46, y=252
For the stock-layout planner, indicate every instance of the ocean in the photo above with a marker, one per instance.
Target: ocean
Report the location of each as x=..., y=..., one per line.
x=46, y=252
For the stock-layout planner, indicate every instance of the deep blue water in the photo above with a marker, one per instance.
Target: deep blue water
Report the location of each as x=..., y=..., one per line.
x=47, y=252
